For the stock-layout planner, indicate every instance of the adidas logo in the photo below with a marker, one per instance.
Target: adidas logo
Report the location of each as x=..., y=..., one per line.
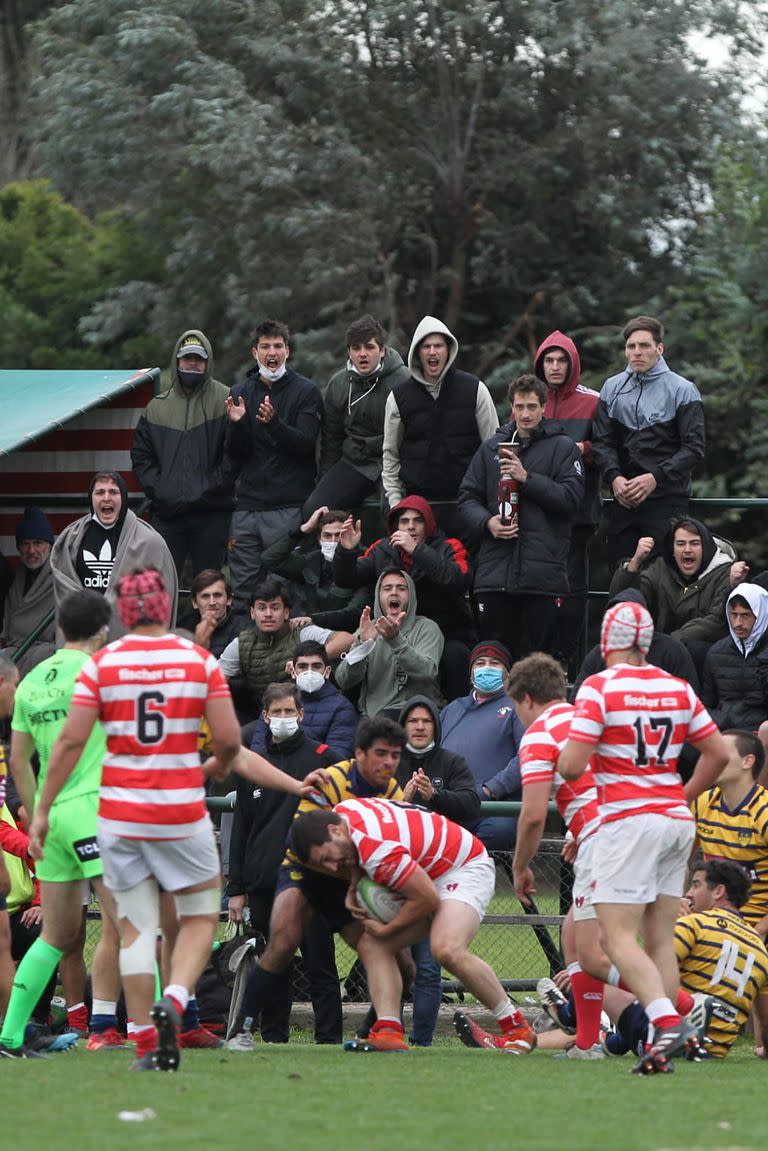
x=101, y=565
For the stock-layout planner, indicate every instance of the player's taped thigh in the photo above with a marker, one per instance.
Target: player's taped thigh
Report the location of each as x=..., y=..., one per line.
x=140, y=906
x=206, y=902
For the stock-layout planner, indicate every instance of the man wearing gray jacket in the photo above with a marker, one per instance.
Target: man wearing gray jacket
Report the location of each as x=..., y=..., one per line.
x=396, y=653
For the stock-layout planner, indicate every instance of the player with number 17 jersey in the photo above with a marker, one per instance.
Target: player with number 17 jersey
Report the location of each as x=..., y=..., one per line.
x=151, y=693
x=637, y=718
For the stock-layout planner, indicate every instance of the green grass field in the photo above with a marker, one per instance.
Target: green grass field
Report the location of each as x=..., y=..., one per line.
x=305, y=1098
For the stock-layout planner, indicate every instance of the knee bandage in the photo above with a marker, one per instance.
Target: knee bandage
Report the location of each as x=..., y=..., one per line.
x=206, y=902
x=140, y=905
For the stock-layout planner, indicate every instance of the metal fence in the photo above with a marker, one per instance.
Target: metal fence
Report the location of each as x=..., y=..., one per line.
x=520, y=946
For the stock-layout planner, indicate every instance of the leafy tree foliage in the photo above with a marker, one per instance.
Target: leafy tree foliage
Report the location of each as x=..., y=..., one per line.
x=54, y=266
x=509, y=165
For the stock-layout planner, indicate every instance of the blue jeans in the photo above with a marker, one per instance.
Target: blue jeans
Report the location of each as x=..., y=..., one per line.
x=427, y=994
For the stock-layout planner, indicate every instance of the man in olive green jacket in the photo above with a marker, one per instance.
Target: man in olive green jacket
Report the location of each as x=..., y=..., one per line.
x=686, y=585
x=353, y=424
x=178, y=457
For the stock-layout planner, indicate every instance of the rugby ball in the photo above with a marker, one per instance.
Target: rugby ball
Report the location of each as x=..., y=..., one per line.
x=378, y=901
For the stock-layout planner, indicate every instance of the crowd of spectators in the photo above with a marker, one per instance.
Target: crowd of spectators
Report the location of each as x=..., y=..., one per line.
x=254, y=501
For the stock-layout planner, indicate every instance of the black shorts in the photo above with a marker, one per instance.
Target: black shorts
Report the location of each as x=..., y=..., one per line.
x=323, y=893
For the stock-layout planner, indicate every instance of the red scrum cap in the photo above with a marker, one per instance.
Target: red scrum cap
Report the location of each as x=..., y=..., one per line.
x=142, y=598
x=626, y=625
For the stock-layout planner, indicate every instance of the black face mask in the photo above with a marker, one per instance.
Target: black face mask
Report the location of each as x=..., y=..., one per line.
x=190, y=379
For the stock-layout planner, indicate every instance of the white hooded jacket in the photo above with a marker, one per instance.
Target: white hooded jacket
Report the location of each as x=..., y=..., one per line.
x=485, y=410
x=757, y=598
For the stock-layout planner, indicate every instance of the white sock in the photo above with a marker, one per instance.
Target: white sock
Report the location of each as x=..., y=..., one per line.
x=573, y=968
x=103, y=1007
x=179, y=993
x=659, y=1008
x=614, y=978
x=506, y=1010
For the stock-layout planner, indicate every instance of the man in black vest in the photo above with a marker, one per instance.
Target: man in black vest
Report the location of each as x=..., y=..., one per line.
x=434, y=423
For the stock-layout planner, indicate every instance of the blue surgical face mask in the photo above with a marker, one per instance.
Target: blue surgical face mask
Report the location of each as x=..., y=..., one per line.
x=488, y=678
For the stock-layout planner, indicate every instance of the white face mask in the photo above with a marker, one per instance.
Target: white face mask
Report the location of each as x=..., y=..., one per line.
x=328, y=548
x=273, y=377
x=310, y=681
x=283, y=726
x=420, y=750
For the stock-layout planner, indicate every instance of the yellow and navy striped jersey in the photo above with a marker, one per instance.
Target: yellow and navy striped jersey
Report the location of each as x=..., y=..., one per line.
x=740, y=835
x=344, y=782
x=721, y=955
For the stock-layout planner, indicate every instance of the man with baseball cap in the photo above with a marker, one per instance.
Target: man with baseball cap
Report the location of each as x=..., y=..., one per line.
x=631, y=721
x=178, y=457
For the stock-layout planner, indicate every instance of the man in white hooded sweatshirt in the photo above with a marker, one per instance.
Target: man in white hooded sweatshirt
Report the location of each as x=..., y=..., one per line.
x=734, y=686
x=434, y=422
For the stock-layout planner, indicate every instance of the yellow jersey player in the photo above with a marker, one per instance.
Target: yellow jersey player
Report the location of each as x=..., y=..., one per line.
x=732, y=821
x=723, y=966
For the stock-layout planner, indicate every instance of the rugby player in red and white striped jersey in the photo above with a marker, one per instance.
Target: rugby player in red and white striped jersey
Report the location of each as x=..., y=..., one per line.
x=631, y=721
x=537, y=688
x=446, y=879
x=151, y=690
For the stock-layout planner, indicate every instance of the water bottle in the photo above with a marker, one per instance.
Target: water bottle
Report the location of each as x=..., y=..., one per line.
x=509, y=495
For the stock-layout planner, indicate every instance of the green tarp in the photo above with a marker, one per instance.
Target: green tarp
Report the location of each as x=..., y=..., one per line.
x=33, y=403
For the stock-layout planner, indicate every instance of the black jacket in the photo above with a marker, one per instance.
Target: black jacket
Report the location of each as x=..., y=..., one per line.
x=276, y=461
x=229, y=628
x=439, y=568
x=456, y=795
x=536, y=560
x=665, y=652
x=263, y=817
x=735, y=688
x=298, y=558
x=177, y=452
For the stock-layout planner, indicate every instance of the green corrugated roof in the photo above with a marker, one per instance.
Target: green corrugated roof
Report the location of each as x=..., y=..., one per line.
x=33, y=403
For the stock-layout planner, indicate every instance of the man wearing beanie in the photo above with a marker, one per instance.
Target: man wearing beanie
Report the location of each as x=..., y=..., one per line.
x=483, y=728
x=107, y=543
x=30, y=596
x=630, y=723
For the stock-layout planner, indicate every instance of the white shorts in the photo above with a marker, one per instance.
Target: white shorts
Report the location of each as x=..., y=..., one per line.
x=641, y=857
x=584, y=881
x=473, y=883
x=174, y=863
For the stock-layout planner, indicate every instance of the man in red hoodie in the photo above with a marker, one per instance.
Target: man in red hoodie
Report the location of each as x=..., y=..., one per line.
x=572, y=405
x=439, y=568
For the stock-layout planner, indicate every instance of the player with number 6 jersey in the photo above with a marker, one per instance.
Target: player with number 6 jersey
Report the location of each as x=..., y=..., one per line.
x=150, y=690
x=150, y=693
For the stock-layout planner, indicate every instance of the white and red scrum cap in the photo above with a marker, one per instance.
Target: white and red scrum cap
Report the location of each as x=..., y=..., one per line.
x=625, y=626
